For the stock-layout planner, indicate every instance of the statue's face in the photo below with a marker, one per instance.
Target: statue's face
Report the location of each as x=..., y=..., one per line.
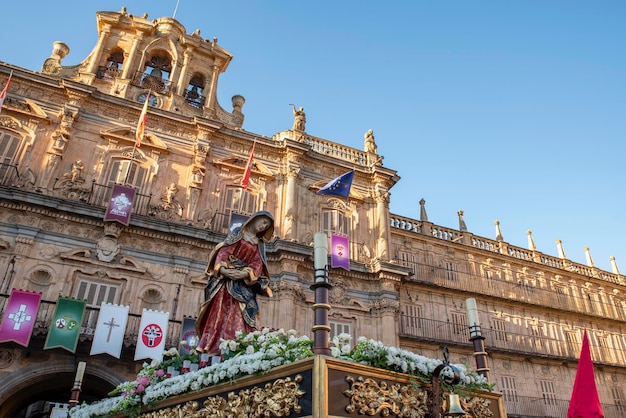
x=261, y=224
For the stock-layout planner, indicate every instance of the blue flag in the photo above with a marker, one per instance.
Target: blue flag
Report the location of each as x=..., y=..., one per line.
x=339, y=186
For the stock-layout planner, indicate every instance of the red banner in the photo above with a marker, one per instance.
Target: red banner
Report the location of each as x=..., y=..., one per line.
x=19, y=317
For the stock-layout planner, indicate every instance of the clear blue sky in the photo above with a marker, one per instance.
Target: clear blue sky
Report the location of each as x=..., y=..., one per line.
x=508, y=110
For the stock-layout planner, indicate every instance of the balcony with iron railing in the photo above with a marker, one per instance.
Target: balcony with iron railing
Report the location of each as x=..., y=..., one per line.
x=403, y=224
x=107, y=73
x=513, y=290
x=151, y=82
x=556, y=347
x=447, y=333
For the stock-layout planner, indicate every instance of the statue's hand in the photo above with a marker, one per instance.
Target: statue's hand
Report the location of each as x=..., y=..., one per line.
x=234, y=274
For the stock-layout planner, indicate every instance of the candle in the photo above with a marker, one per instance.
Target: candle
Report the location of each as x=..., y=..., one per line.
x=472, y=316
x=186, y=366
x=204, y=359
x=320, y=246
x=80, y=373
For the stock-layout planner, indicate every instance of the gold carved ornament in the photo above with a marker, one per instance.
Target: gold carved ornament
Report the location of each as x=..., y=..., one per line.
x=278, y=399
x=370, y=398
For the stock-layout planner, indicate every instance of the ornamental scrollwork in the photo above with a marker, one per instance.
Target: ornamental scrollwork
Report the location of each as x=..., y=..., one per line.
x=476, y=407
x=367, y=397
x=277, y=399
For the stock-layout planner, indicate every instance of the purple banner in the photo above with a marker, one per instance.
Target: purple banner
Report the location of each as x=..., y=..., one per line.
x=20, y=316
x=120, y=205
x=340, y=252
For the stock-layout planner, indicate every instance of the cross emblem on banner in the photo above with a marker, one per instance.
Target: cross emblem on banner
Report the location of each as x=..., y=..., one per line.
x=152, y=335
x=110, y=324
x=20, y=317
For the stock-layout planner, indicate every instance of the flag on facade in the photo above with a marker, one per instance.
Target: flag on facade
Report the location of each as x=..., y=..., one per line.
x=64, y=329
x=339, y=251
x=110, y=329
x=339, y=186
x=141, y=124
x=19, y=318
x=245, y=181
x=188, y=336
x=120, y=204
x=3, y=94
x=152, y=335
x=585, y=402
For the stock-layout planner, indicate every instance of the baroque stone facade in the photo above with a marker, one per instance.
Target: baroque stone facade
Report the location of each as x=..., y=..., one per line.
x=65, y=144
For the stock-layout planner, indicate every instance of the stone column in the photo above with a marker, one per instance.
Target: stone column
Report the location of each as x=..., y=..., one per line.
x=104, y=35
x=181, y=85
x=129, y=64
x=210, y=103
x=290, y=231
x=382, y=217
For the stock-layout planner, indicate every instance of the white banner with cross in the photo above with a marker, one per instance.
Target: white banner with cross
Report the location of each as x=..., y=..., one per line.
x=110, y=330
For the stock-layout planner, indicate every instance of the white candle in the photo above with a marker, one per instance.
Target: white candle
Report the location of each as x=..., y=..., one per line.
x=472, y=316
x=80, y=372
x=320, y=246
x=472, y=312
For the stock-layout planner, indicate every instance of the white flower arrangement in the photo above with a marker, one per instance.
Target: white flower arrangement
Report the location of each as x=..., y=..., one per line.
x=258, y=352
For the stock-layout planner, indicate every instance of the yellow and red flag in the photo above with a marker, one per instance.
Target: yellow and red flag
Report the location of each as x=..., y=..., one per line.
x=141, y=124
x=245, y=181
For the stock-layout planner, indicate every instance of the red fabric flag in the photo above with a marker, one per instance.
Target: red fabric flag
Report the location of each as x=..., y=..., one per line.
x=585, y=402
x=248, y=170
x=141, y=125
x=3, y=95
x=20, y=316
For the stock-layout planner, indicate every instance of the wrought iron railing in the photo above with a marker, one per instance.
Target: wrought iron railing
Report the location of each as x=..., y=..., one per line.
x=195, y=99
x=556, y=347
x=107, y=73
x=513, y=290
x=151, y=82
x=527, y=407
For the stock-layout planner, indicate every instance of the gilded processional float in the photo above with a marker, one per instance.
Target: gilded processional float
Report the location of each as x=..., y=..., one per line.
x=239, y=370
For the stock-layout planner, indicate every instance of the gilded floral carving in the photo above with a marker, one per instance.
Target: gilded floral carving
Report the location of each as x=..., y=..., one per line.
x=277, y=399
x=367, y=397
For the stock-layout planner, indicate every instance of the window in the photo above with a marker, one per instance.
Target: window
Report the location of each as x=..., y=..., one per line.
x=548, y=392
x=407, y=259
x=509, y=389
x=450, y=270
x=125, y=172
x=412, y=320
x=618, y=399
x=238, y=200
x=459, y=324
x=499, y=330
x=95, y=293
x=337, y=328
x=572, y=343
x=334, y=221
x=8, y=150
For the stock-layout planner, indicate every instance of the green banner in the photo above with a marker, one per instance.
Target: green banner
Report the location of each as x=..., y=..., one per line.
x=65, y=326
